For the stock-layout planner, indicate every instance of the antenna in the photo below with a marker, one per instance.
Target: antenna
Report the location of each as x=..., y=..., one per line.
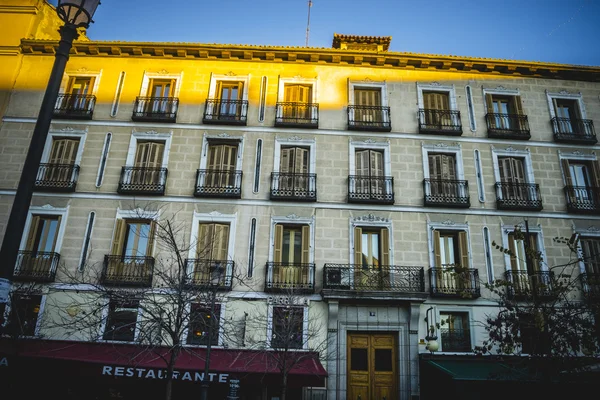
x=308, y=22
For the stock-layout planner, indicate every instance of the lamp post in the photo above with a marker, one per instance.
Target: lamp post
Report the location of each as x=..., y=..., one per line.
x=75, y=14
x=216, y=276
x=431, y=338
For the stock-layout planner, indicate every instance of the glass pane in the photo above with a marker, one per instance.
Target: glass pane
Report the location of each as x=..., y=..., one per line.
x=366, y=259
x=383, y=360
x=285, y=255
x=359, y=360
x=297, y=247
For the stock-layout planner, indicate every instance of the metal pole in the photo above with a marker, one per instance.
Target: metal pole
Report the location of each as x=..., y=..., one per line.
x=18, y=214
x=205, y=384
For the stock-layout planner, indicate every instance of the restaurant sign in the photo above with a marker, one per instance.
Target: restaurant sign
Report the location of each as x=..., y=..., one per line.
x=159, y=373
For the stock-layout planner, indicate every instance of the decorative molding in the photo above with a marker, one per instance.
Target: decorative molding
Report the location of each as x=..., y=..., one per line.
x=370, y=218
x=82, y=70
x=500, y=87
x=231, y=73
x=163, y=72
x=224, y=135
x=593, y=228
x=47, y=207
x=295, y=137
x=435, y=84
x=293, y=216
x=67, y=129
x=448, y=222
x=215, y=214
x=440, y=145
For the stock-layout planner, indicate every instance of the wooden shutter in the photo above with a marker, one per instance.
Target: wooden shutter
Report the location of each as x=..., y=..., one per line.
x=512, y=247
x=221, y=245
x=151, y=239
x=204, y=248
x=376, y=163
x=33, y=230
x=504, y=165
x=489, y=102
x=304, y=94
x=437, y=251
x=119, y=237
x=367, y=97
x=290, y=93
x=596, y=178
x=464, y=249
x=286, y=163
x=385, y=247
x=518, y=106
x=448, y=167
x=435, y=166
x=519, y=170
x=358, y=247
x=215, y=156
x=362, y=162
x=229, y=157
x=64, y=151
x=305, y=245
x=436, y=101
x=278, y=250
x=301, y=163
x=566, y=171
x=534, y=250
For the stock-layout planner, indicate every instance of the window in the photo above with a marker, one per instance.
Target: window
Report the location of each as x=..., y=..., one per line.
x=158, y=99
x=370, y=177
x=222, y=163
x=367, y=109
x=294, y=177
x=442, y=167
x=443, y=182
x=43, y=233
x=212, y=249
x=518, y=259
x=371, y=247
x=134, y=238
x=291, y=256
x=450, y=274
x=369, y=171
x=287, y=327
x=145, y=169
x=524, y=263
x=121, y=320
x=533, y=339
x=568, y=117
x=39, y=257
x=297, y=105
x=24, y=313
x=294, y=163
x=438, y=111
x=203, y=324
x=228, y=95
x=583, y=180
x=590, y=247
x=515, y=183
x=505, y=114
x=455, y=332
x=59, y=170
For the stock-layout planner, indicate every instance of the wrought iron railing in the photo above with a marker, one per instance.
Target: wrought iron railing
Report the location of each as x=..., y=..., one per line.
x=445, y=122
x=296, y=277
x=143, y=180
x=36, y=266
x=458, y=340
x=228, y=112
x=208, y=273
x=369, y=118
x=446, y=193
x=127, y=271
x=571, y=130
x=156, y=109
x=590, y=284
x=370, y=189
x=218, y=183
x=508, y=126
x=74, y=106
x=583, y=199
x=57, y=177
x=388, y=278
x=291, y=186
x=522, y=284
x=299, y=115
x=454, y=281
x=518, y=196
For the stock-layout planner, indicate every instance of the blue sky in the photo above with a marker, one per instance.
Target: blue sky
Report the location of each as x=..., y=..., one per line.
x=563, y=31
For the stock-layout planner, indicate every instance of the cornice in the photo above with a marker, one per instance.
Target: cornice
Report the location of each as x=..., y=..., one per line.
x=4, y=9
x=309, y=55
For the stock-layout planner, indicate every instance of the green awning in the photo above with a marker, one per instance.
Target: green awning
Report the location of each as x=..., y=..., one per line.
x=479, y=370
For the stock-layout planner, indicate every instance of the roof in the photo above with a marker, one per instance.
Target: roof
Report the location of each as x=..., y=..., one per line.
x=338, y=39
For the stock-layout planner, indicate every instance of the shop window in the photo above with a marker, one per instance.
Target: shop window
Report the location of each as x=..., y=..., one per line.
x=204, y=325
x=287, y=327
x=121, y=320
x=455, y=332
x=24, y=312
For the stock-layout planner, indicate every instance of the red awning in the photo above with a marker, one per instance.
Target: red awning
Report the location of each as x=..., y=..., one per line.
x=191, y=359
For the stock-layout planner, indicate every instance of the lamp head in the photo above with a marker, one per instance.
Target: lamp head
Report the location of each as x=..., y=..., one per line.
x=78, y=13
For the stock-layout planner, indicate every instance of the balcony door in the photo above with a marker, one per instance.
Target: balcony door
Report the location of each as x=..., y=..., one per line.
x=518, y=260
x=229, y=93
x=512, y=175
x=566, y=111
x=442, y=175
x=79, y=87
x=590, y=248
x=62, y=156
x=148, y=163
x=505, y=108
x=291, y=255
x=298, y=99
x=212, y=251
x=294, y=168
x=222, y=163
x=372, y=366
x=133, y=243
x=41, y=243
x=435, y=105
x=451, y=254
x=161, y=91
x=368, y=102
x=584, y=179
x=369, y=171
x=455, y=332
x=371, y=258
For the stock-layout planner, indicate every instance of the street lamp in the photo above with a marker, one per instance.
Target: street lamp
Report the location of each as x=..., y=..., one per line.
x=75, y=14
x=431, y=338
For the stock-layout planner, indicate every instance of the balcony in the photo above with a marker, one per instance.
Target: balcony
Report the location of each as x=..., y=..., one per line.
x=583, y=199
x=218, y=183
x=523, y=285
x=205, y=273
x=440, y=122
x=508, y=126
x=286, y=277
x=446, y=193
x=384, y=282
x=74, y=106
x=225, y=112
x=370, y=189
x=518, y=196
x=590, y=284
x=454, y=281
x=290, y=186
x=455, y=340
x=57, y=177
x=369, y=118
x=155, y=109
x=297, y=115
x=142, y=180
x=576, y=131
x=36, y=266
x=127, y=271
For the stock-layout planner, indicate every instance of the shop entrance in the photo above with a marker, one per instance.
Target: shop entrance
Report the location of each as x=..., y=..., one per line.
x=372, y=366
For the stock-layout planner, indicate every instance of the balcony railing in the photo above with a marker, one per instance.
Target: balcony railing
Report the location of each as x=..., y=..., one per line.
x=155, y=109
x=297, y=115
x=388, y=278
x=57, y=177
x=225, y=112
x=284, y=277
x=583, y=199
x=127, y=271
x=210, y=273
x=523, y=285
x=369, y=118
x=518, y=196
x=74, y=106
x=570, y=130
x=508, y=126
x=454, y=281
x=36, y=266
x=458, y=340
x=446, y=193
x=218, y=183
x=591, y=285
x=444, y=122
x=290, y=186
x=370, y=189
x=143, y=180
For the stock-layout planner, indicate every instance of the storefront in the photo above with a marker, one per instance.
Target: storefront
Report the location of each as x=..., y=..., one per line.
x=38, y=369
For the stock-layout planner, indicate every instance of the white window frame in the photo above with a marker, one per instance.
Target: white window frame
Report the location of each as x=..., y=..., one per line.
x=152, y=136
x=539, y=237
x=436, y=87
x=215, y=78
x=220, y=334
x=105, y=311
x=64, y=133
x=159, y=75
x=368, y=84
x=371, y=221
x=296, y=141
x=449, y=310
x=511, y=152
x=300, y=80
x=574, y=156
x=137, y=213
x=305, y=320
x=223, y=137
x=293, y=219
x=499, y=91
x=81, y=73
x=564, y=95
x=448, y=225
x=47, y=210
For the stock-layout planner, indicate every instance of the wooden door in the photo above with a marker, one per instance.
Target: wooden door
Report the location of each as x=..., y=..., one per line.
x=442, y=175
x=298, y=99
x=372, y=366
x=512, y=174
x=293, y=169
x=222, y=161
x=435, y=105
x=62, y=154
x=369, y=171
x=228, y=94
x=161, y=91
x=368, y=102
x=148, y=162
x=79, y=87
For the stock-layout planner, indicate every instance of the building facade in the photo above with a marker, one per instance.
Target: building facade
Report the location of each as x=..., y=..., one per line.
x=356, y=176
